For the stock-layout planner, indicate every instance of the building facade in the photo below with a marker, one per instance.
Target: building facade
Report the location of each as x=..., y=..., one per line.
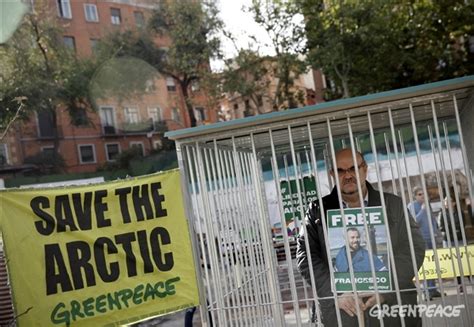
x=117, y=124
x=309, y=88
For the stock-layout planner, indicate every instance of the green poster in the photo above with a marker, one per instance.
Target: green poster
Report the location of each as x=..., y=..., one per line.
x=363, y=239
x=291, y=204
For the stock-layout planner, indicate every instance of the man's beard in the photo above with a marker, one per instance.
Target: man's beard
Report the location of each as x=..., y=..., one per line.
x=354, y=249
x=349, y=193
x=350, y=181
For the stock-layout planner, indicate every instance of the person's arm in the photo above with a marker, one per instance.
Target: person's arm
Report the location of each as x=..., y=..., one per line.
x=319, y=265
x=422, y=214
x=341, y=263
x=402, y=254
x=378, y=264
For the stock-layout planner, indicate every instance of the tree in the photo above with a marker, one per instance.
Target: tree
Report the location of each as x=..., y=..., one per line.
x=248, y=74
x=39, y=71
x=280, y=20
x=191, y=27
x=371, y=46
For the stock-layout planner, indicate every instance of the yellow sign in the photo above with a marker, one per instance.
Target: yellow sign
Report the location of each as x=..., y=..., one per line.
x=448, y=263
x=105, y=254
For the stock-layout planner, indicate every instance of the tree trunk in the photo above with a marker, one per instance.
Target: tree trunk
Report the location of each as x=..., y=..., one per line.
x=345, y=88
x=189, y=105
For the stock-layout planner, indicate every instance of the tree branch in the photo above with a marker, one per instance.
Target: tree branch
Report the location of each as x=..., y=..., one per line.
x=17, y=114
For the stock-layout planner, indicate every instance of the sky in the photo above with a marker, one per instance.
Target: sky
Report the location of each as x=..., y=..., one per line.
x=240, y=24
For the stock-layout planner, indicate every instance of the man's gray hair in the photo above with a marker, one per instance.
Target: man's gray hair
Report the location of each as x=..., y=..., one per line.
x=357, y=153
x=417, y=189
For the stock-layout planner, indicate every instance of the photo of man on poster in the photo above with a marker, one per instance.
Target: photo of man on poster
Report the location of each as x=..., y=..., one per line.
x=359, y=255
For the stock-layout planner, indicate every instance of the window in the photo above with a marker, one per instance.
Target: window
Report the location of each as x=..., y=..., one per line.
x=46, y=124
x=69, y=42
x=79, y=117
x=90, y=12
x=155, y=114
x=112, y=150
x=138, y=145
x=195, y=86
x=107, y=120
x=64, y=8
x=236, y=106
x=149, y=85
x=157, y=144
x=325, y=84
x=87, y=154
x=48, y=150
x=170, y=84
x=94, y=45
x=247, y=109
x=131, y=115
x=175, y=114
x=200, y=113
x=3, y=155
x=115, y=16
x=247, y=104
x=139, y=18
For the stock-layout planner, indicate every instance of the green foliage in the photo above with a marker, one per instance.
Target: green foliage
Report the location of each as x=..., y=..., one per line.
x=133, y=163
x=248, y=75
x=284, y=26
x=371, y=46
x=40, y=70
x=130, y=62
x=46, y=163
x=191, y=27
x=123, y=160
x=121, y=78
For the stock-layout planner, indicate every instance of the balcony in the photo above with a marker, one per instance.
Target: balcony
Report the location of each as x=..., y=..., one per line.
x=110, y=130
x=142, y=127
x=160, y=126
x=49, y=133
x=138, y=127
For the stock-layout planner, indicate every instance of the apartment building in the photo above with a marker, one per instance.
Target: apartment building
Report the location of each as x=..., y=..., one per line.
x=310, y=86
x=119, y=124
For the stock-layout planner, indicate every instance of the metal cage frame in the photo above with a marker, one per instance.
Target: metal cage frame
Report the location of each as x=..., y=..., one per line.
x=232, y=174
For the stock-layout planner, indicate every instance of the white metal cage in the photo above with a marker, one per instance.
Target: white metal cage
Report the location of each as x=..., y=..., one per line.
x=245, y=211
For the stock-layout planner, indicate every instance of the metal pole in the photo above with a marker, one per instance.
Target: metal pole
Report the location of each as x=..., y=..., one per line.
x=267, y=242
x=341, y=206
x=185, y=177
x=361, y=200
x=285, y=234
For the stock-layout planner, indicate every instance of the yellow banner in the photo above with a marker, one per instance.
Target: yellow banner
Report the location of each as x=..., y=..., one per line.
x=105, y=254
x=448, y=263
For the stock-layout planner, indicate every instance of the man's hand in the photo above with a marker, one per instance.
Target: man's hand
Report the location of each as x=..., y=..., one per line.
x=347, y=303
x=371, y=301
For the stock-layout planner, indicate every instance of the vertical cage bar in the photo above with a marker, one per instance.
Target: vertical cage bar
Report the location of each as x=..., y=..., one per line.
x=456, y=195
x=268, y=243
x=389, y=157
x=464, y=155
x=209, y=231
x=389, y=238
x=276, y=176
x=361, y=200
x=341, y=208
x=185, y=170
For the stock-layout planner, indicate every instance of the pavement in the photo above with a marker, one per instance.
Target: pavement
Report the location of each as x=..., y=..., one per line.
x=177, y=319
x=171, y=320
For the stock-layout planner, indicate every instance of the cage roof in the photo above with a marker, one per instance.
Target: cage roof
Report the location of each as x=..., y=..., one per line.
x=419, y=97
